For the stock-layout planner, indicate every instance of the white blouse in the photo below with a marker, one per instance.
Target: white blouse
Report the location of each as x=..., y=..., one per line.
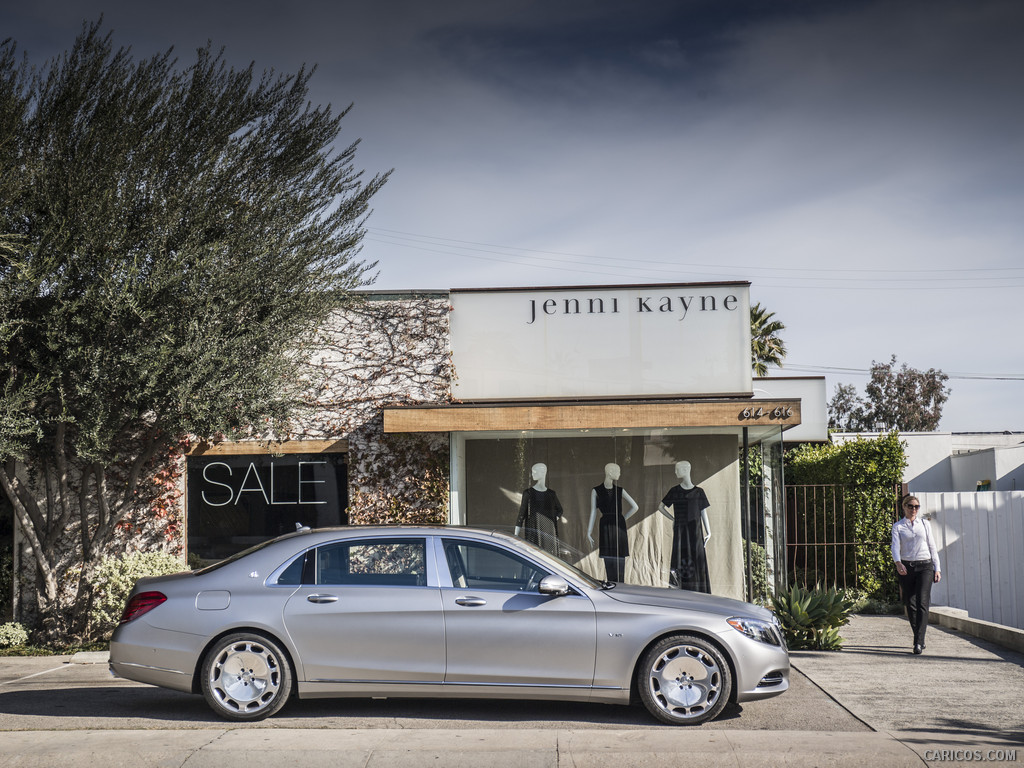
x=913, y=541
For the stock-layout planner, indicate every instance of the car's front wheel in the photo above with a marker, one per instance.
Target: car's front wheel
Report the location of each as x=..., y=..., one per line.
x=246, y=677
x=684, y=680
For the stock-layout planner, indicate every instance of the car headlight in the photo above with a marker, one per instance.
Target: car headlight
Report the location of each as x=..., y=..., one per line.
x=755, y=629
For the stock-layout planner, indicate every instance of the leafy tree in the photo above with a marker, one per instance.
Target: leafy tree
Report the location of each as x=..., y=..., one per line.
x=177, y=233
x=766, y=345
x=906, y=400
x=846, y=410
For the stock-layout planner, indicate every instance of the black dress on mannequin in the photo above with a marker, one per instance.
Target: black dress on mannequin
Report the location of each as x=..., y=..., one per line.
x=614, y=543
x=538, y=518
x=613, y=539
x=689, y=566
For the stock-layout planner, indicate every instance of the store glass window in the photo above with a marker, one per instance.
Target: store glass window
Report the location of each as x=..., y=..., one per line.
x=235, y=501
x=657, y=507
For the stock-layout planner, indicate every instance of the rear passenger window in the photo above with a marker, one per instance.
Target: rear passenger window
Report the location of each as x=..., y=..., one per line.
x=373, y=562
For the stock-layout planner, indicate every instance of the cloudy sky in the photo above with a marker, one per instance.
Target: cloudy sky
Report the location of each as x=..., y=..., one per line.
x=861, y=163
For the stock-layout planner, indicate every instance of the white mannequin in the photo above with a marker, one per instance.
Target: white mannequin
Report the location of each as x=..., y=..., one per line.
x=539, y=475
x=612, y=472
x=683, y=473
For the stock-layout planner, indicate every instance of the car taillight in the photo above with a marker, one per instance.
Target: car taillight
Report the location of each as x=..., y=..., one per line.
x=140, y=604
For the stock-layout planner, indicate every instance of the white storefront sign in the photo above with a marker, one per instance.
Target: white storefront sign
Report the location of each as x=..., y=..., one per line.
x=617, y=341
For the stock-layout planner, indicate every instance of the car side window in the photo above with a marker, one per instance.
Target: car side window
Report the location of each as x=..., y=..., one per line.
x=484, y=566
x=292, y=575
x=373, y=562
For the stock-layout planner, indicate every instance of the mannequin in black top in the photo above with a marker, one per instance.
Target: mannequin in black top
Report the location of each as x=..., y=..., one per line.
x=607, y=499
x=540, y=512
x=690, y=532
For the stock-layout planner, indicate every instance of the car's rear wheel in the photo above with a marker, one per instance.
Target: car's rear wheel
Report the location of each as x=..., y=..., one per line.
x=246, y=677
x=684, y=680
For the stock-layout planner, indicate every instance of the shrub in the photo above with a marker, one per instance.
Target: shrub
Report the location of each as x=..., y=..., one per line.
x=114, y=579
x=812, y=618
x=12, y=635
x=759, y=572
x=863, y=603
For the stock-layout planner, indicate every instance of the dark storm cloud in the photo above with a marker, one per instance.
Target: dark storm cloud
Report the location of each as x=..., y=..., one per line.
x=650, y=39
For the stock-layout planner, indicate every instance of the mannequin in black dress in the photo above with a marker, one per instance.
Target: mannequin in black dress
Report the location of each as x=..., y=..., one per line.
x=540, y=512
x=690, y=532
x=608, y=499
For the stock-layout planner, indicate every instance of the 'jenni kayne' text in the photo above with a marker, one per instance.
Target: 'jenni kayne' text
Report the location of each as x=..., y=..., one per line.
x=679, y=305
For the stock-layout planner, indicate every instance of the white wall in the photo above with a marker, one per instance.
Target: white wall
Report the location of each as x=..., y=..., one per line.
x=971, y=468
x=810, y=390
x=1009, y=469
x=601, y=341
x=928, y=467
x=980, y=537
x=1003, y=467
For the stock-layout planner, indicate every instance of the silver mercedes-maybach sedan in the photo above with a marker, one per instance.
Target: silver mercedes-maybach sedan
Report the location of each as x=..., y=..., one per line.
x=438, y=612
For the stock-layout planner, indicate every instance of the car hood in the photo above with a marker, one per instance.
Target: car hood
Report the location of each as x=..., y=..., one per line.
x=684, y=599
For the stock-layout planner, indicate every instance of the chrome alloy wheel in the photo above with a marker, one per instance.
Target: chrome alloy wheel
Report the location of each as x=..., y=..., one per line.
x=684, y=680
x=246, y=677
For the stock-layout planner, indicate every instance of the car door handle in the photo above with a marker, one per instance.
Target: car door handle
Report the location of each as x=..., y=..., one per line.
x=470, y=601
x=322, y=598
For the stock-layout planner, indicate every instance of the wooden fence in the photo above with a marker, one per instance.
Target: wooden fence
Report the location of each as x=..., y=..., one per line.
x=980, y=537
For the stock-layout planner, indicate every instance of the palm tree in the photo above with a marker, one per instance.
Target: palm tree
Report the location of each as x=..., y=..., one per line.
x=766, y=346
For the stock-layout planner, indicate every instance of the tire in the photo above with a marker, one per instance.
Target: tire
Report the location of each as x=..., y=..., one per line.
x=246, y=677
x=684, y=680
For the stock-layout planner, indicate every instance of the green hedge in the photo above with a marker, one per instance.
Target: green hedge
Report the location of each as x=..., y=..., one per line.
x=866, y=474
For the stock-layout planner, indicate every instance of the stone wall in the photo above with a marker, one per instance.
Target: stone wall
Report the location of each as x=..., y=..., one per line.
x=386, y=350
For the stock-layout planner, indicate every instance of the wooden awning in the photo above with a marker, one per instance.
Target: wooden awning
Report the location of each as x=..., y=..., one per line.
x=646, y=414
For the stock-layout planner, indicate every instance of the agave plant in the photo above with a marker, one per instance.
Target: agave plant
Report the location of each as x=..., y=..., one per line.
x=811, y=618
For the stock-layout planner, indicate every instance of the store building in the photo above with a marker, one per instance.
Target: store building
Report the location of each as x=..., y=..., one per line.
x=529, y=409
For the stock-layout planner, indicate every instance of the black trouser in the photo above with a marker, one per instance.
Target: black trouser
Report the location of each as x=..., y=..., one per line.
x=615, y=567
x=916, y=587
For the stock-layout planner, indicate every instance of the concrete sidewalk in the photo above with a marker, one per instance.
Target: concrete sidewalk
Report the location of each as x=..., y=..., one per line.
x=849, y=708
x=262, y=748
x=962, y=694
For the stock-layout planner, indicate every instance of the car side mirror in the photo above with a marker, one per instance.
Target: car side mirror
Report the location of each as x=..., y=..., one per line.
x=553, y=585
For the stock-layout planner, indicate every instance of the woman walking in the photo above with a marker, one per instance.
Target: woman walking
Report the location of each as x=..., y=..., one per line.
x=917, y=565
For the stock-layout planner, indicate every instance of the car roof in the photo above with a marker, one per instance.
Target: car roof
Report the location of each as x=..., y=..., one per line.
x=316, y=536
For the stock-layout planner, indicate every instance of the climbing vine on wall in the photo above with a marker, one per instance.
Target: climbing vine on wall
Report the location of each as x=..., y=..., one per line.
x=384, y=352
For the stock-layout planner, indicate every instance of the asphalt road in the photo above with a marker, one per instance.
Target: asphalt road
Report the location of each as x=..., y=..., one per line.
x=873, y=704
x=50, y=693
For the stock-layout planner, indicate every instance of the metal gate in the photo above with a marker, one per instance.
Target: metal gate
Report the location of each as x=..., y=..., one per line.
x=823, y=545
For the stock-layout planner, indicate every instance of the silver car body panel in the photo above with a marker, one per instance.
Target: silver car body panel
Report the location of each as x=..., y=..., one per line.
x=436, y=640
x=384, y=634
